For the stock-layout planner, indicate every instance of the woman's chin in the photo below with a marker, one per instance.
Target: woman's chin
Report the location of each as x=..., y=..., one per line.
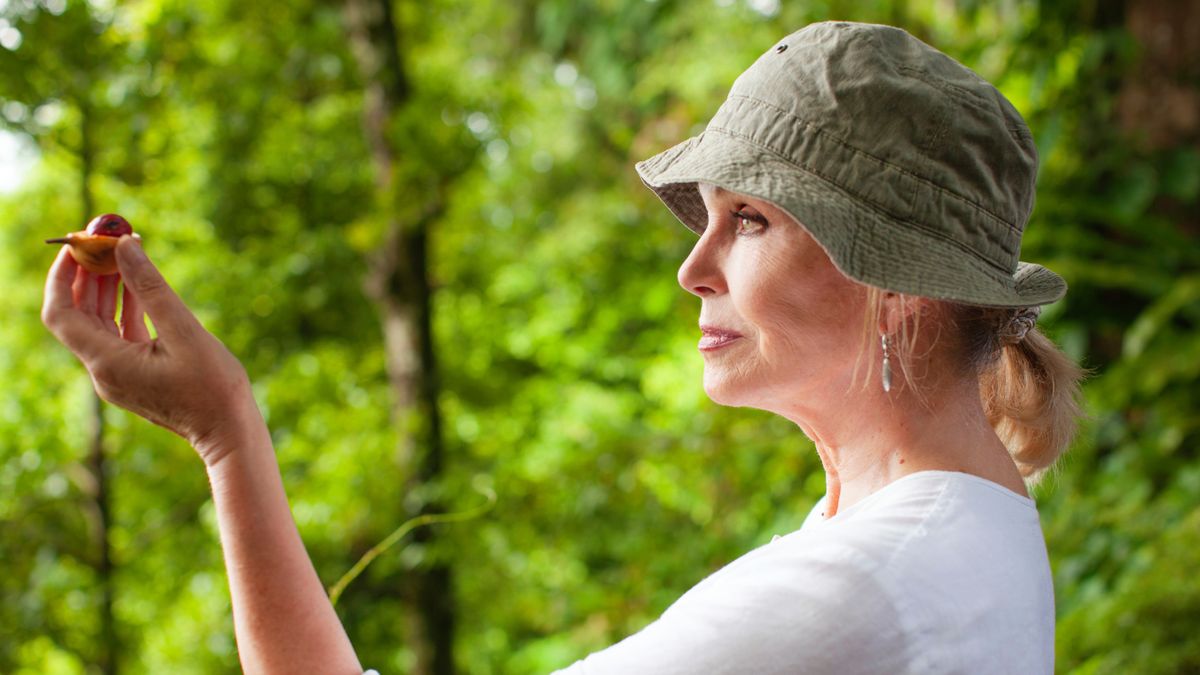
x=723, y=390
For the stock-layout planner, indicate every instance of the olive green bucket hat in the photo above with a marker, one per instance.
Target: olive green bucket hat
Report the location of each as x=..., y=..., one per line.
x=914, y=174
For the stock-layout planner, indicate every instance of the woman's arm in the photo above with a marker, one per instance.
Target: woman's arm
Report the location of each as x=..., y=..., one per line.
x=282, y=616
x=188, y=382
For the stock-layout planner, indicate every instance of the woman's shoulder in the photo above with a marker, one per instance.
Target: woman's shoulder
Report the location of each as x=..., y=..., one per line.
x=925, y=511
x=934, y=554
x=938, y=518
x=957, y=556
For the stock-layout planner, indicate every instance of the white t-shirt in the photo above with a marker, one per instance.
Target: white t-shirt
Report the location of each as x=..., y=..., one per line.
x=937, y=572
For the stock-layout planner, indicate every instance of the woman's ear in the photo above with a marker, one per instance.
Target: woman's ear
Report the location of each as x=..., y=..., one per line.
x=892, y=312
x=898, y=309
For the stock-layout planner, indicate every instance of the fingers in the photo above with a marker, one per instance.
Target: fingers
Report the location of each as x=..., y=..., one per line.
x=78, y=330
x=166, y=310
x=133, y=320
x=58, y=283
x=107, y=302
x=65, y=286
x=84, y=291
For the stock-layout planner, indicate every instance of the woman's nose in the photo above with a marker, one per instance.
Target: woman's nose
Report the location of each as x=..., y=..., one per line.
x=700, y=274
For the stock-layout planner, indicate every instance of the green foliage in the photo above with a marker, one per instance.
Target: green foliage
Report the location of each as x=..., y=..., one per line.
x=230, y=134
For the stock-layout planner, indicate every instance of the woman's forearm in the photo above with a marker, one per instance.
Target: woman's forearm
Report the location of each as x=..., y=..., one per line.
x=282, y=616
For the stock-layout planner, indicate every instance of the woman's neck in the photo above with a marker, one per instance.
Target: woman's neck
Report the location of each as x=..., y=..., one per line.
x=866, y=442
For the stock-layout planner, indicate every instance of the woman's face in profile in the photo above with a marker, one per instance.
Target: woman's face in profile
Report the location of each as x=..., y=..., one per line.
x=781, y=325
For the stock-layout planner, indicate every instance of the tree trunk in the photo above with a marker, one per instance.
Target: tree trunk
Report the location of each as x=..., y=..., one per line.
x=99, y=509
x=398, y=283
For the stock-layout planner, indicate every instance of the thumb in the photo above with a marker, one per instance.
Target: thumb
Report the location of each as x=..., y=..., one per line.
x=160, y=303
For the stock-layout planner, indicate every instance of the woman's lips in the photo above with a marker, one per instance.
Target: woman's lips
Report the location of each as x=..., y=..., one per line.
x=713, y=338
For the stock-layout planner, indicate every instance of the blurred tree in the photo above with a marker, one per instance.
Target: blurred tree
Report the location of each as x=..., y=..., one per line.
x=411, y=186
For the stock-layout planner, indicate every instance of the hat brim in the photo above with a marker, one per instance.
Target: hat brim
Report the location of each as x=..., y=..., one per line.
x=866, y=244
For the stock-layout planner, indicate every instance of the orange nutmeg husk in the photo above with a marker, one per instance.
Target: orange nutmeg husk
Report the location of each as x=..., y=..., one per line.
x=96, y=253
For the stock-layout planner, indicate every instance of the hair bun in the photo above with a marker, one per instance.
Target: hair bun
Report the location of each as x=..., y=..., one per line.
x=1019, y=324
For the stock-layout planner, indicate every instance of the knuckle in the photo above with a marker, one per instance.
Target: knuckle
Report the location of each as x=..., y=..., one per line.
x=105, y=372
x=151, y=284
x=58, y=327
x=49, y=318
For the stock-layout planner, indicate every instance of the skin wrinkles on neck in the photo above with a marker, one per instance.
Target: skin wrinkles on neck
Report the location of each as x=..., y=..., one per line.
x=866, y=440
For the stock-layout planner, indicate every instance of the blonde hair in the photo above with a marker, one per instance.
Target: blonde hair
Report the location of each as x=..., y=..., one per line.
x=1029, y=388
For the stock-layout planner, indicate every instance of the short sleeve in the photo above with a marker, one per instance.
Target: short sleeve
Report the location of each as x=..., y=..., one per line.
x=777, y=610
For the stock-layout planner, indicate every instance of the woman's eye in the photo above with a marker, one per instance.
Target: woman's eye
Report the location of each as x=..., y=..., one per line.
x=748, y=223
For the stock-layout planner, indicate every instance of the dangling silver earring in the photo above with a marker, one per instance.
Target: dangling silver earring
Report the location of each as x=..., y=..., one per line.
x=887, y=365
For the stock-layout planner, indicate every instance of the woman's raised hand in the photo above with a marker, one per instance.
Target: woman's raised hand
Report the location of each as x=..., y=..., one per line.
x=184, y=379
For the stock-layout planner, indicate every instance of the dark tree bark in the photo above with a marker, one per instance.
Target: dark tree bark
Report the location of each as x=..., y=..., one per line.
x=398, y=283
x=99, y=510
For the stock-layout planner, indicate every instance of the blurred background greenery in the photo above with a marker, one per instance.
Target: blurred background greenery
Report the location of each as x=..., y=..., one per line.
x=418, y=226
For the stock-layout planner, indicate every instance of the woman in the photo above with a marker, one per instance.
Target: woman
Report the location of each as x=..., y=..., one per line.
x=860, y=199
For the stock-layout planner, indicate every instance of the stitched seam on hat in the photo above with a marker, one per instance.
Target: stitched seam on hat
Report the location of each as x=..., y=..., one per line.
x=661, y=162
x=979, y=207
x=977, y=254
x=868, y=203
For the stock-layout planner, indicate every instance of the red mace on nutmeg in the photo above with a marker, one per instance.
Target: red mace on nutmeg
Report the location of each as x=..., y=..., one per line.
x=94, y=248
